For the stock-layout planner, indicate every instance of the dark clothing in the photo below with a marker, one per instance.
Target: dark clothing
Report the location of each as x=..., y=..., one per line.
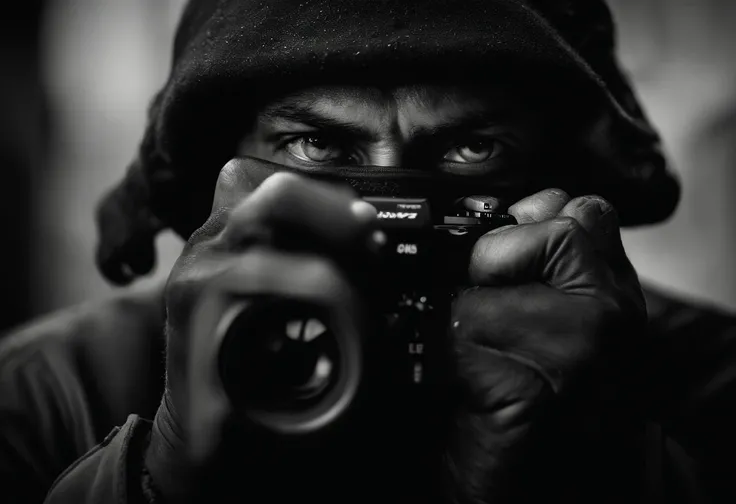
x=78, y=390
x=65, y=382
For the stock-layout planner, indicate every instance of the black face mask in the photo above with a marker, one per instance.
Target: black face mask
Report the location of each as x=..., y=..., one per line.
x=441, y=189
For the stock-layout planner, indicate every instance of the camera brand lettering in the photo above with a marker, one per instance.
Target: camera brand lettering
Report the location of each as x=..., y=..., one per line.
x=397, y=215
x=407, y=248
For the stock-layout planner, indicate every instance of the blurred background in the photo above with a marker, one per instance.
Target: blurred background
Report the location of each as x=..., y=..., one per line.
x=78, y=75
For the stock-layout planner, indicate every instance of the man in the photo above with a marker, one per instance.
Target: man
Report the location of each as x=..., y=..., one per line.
x=276, y=118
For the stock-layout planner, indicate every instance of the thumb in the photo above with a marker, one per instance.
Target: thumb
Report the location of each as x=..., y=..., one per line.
x=236, y=181
x=208, y=407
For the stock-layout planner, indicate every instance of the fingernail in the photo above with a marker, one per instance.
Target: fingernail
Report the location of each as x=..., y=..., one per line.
x=601, y=206
x=559, y=193
x=589, y=204
x=363, y=210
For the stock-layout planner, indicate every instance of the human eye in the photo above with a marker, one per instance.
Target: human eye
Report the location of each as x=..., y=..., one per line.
x=492, y=152
x=475, y=151
x=316, y=148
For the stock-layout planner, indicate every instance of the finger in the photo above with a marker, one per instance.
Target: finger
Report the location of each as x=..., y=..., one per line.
x=298, y=208
x=235, y=182
x=540, y=206
x=533, y=325
x=557, y=252
x=598, y=217
x=260, y=271
x=600, y=220
x=272, y=272
x=497, y=382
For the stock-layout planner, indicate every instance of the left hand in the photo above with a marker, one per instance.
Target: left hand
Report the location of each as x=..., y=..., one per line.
x=543, y=346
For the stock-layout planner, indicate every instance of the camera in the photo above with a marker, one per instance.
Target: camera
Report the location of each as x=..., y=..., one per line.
x=295, y=367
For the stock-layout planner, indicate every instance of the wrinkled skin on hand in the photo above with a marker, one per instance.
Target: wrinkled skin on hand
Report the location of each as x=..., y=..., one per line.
x=545, y=349
x=542, y=341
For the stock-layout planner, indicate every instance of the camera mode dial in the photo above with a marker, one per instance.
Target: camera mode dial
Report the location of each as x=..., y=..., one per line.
x=479, y=207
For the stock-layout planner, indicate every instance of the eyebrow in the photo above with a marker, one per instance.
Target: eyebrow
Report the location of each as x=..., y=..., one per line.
x=470, y=121
x=305, y=113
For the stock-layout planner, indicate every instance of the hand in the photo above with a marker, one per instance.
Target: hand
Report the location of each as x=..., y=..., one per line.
x=278, y=236
x=544, y=344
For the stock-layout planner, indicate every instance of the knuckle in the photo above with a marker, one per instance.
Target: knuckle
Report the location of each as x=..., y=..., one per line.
x=283, y=184
x=229, y=176
x=253, y=215
x=566, y=233
x=254, y=263
x=324, y=273
x=231, y=186
x=485, y=243
x=312, y=276
x=211, y=230
x=479, y=251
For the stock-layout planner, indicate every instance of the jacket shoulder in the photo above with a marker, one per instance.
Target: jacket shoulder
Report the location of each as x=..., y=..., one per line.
x=67, y=378
x=690, y=391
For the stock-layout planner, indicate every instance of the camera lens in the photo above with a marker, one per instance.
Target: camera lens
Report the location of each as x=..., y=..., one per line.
x=282, y=364
x=295, y=362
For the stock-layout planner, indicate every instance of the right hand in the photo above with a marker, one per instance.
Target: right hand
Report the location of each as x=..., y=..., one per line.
x=239, y=249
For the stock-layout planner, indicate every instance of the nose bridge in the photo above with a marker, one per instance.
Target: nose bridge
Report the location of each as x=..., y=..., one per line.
x=407, y=114
x=395, y=143
x=389, y=153
x=390, y=144
x=404, y=112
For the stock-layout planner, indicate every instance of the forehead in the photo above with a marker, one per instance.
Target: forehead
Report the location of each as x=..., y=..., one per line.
x=415, y=99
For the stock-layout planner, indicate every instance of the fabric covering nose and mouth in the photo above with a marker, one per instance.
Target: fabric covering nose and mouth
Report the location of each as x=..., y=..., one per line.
x=231, y=54
x=366, y=181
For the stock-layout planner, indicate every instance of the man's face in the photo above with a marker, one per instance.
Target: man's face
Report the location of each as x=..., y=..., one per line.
x=463, y=131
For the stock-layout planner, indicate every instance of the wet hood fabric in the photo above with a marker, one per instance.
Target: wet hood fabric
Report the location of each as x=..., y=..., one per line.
x=231, y=54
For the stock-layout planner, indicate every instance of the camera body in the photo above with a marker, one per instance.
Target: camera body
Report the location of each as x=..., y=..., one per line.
x=294, y=367
x=424, y=263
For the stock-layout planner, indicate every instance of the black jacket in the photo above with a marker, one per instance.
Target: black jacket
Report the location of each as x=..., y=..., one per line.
x=78, y=390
